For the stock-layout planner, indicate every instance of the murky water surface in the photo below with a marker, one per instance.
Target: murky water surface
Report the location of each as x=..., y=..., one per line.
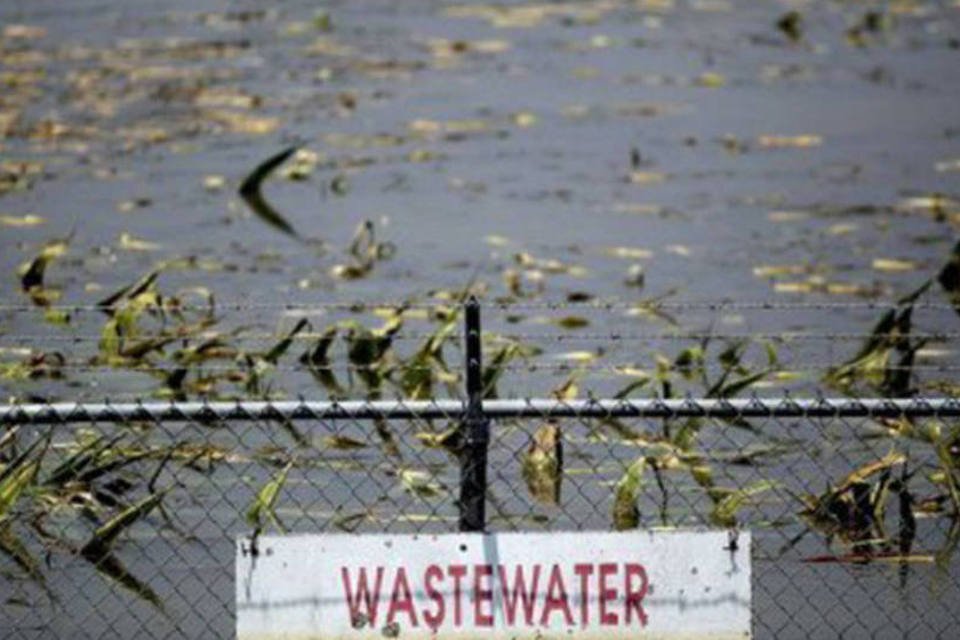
x=623, y=151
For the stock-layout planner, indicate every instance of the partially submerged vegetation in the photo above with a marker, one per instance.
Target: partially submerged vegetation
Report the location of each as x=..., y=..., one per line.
x=87, y=493
x=79, y=503
x=78, y=494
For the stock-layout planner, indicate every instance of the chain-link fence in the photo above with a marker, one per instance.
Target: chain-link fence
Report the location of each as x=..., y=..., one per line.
x=120, y=520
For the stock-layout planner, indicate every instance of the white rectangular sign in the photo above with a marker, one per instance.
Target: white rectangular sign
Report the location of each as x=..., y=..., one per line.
x=650, y=584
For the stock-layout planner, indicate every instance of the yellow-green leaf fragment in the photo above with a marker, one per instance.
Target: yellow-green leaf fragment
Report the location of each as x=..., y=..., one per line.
x=893, y=265
x=626, y=515
x=262, y=508
x=29, y=220
x=724, y=512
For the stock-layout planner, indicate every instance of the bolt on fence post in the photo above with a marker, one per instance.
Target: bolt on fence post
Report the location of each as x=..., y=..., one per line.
x=476, y=429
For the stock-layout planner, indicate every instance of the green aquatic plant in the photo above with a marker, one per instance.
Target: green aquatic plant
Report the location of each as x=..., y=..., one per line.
x=724, y=375
x=418, y=373
x=626, y=514
x=86, y=484
x=885, y=360
x=261, y=511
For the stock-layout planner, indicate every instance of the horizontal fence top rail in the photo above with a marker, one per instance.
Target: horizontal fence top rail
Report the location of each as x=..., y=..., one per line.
x=68, y=412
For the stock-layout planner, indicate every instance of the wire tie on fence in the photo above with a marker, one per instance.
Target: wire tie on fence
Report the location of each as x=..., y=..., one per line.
x=920, y=405
x=889, y=407
x=788, y=403
x=242, y=410
x=206, y=413
x=270, y=413
x=662, y=407
x=109, y=412
x=829, y=405
x=16, y=415
x=691, y=406
x=300, y=410
x=50, y=411
x=725, y=406
x=592, y=402
x=754, y=404
x=855, y=404
x=620, y=404
x=140, y=412
x=46, y=410
x=87, y=413
x=309, y=412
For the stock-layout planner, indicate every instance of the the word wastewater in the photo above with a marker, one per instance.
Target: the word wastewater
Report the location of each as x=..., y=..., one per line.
x=584, y=593
x=611, y=585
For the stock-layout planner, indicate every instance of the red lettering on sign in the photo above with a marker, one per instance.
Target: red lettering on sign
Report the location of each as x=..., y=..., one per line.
x=633, y=597
x=482, y=593
x=401, y=599
x=433, y=620
x=457, y=571
x=363, y=594
x=528, y=597
x=584, y=571
x=556, y=599
x=519, y=588
x=606, y=593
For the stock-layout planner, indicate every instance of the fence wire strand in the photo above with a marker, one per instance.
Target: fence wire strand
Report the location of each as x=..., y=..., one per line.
x=520, y=305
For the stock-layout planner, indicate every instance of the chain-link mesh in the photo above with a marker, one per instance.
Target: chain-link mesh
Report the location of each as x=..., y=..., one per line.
x=120, y=520
x=182, y=489
x=852, y=513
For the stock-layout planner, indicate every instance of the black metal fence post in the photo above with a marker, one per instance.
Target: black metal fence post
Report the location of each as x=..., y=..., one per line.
x=476, y=429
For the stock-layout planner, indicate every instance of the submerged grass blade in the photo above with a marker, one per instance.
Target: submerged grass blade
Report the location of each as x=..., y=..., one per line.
x=278, y=350
x=318, y=355
x=14, y=465
x=11, y=545
x=131, y=291
x=109, y=566
x=76, y=463
x=496, y=367
x=251, y=194
x=119, y=461
x=103, y=538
